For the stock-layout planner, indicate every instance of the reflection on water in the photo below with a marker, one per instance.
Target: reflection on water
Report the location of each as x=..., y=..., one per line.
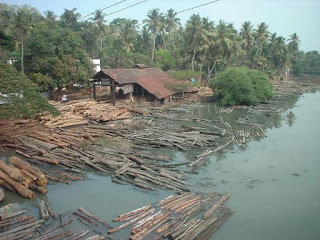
x=274, y=181
x=290, y=118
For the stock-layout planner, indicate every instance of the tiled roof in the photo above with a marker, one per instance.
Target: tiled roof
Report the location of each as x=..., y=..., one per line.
x=154, y=80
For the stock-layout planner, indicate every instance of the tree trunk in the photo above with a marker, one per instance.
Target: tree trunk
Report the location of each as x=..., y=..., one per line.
x=194, y=56
x=22, y=51
x=164, y=42
x=153, y=47
x=210, y=71
x=174, y=45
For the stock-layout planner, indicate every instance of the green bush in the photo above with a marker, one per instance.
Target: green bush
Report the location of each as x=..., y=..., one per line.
x=180, y=87
x=20, y=97
x=164, y=60
x=242, y=86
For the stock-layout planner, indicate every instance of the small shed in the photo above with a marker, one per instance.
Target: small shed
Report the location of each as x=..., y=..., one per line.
x=136, y=81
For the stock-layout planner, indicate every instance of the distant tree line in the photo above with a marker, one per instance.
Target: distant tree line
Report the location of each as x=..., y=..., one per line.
x=55, y=51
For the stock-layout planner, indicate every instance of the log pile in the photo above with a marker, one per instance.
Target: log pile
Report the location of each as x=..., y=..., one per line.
x=175, y=217
x=20, y=177
x=78, y=112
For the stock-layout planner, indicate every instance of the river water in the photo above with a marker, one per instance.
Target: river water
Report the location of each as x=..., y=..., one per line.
x=274, y=182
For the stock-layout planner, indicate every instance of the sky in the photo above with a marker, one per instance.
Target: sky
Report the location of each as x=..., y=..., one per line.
x=282, y=16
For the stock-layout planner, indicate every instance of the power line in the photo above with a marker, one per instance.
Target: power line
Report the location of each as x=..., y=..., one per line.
x=191, y=8
x=117, y=3
x=126, y=8
x=198, y=6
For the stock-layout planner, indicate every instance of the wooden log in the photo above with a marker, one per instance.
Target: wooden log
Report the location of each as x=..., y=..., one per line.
x=14, y=173
x=86, y=218
x=79, y=235
x=23, y=154
x=20, y=228
x=176, y=200
x=217, y=205
x=216, y=225
x=29, y=175
x=140, y=225
x=1, y=195
x=131, y=213
x=94, y=217
x=58, y=180
x=22, y=190
x=150, y=227
x=26, y=166
x=145, y=214
x=6, y=186
x=12, y=214
x=46, y=160
x=50, y=211
x=96, y=237
x=198, y=161
x=44, y=214
x=37, y=188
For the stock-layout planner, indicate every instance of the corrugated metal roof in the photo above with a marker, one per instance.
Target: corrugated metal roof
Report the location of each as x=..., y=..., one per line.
x=154, y=80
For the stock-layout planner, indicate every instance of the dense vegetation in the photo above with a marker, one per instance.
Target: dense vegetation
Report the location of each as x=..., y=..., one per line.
x=20, y=97
x=242, y=86
x=54, y=51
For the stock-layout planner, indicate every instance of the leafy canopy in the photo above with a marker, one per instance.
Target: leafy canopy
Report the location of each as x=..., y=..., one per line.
x=242, y=86
x=19, y=96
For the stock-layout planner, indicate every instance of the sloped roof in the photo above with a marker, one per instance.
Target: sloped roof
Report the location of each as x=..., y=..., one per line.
x=154, y=80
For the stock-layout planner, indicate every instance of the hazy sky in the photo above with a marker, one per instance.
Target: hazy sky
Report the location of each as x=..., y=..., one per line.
x=283, y=16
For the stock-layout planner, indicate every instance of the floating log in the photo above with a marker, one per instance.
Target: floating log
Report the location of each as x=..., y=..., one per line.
x=22, y=190
x=94, y=217
x=46, y=160
x=149, y=212
x=131, y=213
x=14, y=173
x=217, y=205
x=29, y=168
x=44, y=214
x=37, y=188
x=1, y=195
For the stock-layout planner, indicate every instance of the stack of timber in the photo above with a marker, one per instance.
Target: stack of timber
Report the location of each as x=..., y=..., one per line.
x=80, y=111
x=22, y=178
x=176, y=217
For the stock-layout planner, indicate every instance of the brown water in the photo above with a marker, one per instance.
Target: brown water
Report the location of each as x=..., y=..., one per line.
x=274, y=182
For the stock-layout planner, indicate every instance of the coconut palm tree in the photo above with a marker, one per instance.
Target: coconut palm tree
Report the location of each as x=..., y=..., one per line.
x=294, y=42
x=69, y=18
x=153, y=24
x=196, y=35
x=173, y=24
x=246, y=35
x=129, y=33
x=23, y=21
x=99, y=25
x=225, y=40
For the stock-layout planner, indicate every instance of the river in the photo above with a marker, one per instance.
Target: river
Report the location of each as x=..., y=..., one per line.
x=274, y=182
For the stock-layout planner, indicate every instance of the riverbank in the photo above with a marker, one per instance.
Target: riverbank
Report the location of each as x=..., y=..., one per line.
x=188, y=130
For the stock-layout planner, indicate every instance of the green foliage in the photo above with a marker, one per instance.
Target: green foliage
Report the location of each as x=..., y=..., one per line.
x=184, y=74
x=164, y=60
x=43, y=81
x=23, y=99
x=242, y=86
x=297, y=69
x=179, y=87
x=311, y=62
x=57, y=53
